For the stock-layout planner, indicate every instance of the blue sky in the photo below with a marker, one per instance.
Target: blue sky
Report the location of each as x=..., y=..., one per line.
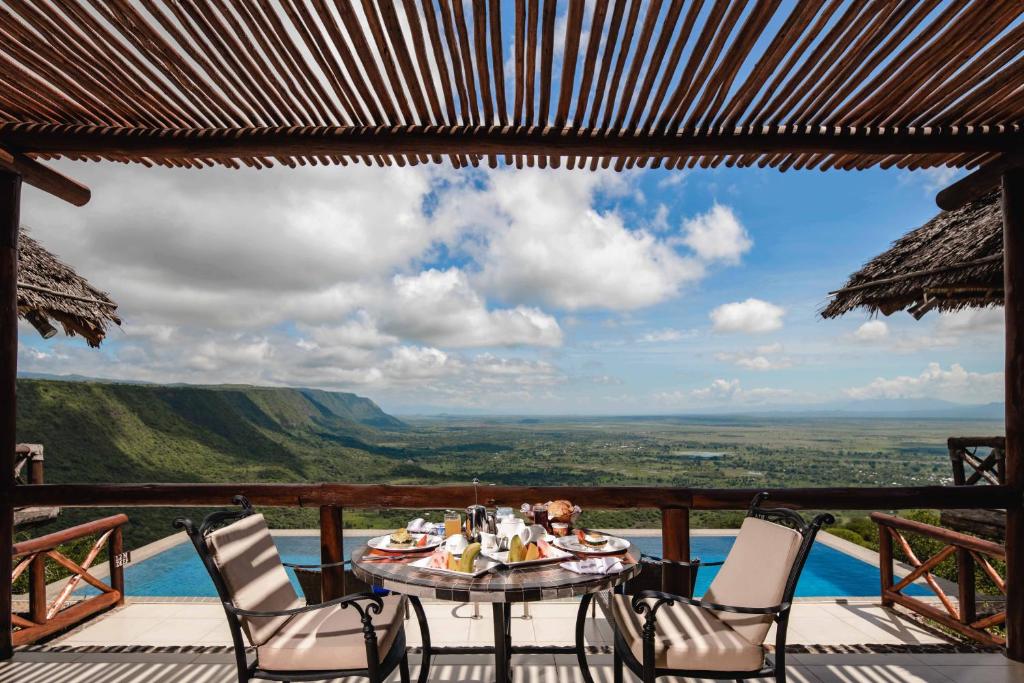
x=429, y=289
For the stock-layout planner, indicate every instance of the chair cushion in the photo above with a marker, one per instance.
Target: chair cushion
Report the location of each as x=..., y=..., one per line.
x=687, y=637
x=754, y=575
x=251, y=568
x=330, y=639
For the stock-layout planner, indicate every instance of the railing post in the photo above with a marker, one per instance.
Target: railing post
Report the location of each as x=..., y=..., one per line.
x=1013, y=312
x=10, y=209
x=331, y=550
x=966, y=586
x=675, y=545
x=115, y=546
x=885, y=567
x=37, y=589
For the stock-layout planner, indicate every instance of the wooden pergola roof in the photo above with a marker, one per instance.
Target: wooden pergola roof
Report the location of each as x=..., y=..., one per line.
x=821, y=84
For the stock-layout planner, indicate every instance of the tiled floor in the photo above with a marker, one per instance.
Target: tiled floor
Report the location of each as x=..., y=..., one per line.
x=165, y=624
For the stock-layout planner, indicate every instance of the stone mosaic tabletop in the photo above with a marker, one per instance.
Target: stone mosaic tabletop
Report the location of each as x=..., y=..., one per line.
x=503, y=584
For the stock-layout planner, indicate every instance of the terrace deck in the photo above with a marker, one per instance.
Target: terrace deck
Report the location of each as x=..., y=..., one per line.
x=186, y=641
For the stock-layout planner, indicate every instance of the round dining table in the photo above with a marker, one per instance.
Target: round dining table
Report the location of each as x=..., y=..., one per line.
x=501, y=587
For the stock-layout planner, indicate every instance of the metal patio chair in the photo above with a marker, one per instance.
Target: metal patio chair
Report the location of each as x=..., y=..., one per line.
x=721, y=635
x=357, y=635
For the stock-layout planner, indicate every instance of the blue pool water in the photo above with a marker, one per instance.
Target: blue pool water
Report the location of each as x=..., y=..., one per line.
x=829, y=572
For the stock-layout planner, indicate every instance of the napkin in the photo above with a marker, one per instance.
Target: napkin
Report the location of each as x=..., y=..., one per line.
x=594, y=565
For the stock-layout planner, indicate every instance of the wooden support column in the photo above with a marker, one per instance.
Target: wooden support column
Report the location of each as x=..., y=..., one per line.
x=331, y=550
x=10, y=207
x=966, y=587
x=115, y=547
x=675, y=545
x=885, y=568
x=1013, y=284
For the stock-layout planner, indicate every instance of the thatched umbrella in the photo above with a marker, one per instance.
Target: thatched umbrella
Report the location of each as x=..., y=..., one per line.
x=50, y=289
x=953, y=261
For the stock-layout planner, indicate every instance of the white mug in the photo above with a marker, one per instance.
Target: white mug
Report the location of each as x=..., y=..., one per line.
x=488, y=541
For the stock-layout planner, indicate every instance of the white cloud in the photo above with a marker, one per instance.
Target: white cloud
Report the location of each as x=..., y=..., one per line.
x=763, y=358
x=955, y=384
x=971, y=321
x=717, y=235
x=538, y=237
x=442, y=308
x=666, y=335
x=752, y=316
x=872, y=331
x=722, y=391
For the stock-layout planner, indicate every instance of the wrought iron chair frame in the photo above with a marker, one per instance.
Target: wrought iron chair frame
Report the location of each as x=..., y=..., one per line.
x=774, y=665
x=366, y=604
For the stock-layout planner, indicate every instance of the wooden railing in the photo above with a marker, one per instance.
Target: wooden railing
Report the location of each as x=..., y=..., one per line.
x=44, y=616
x=989, y=468
x=674, y=503
x=969, y=552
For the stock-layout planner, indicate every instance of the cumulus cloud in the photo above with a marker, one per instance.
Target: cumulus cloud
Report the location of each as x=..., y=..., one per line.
x=665, y=335
x=972, y=321
x=956, y=383
x=717, y=235
x=752, y=316
x=762, y=358
x=723, y=391
x=539, y=238
x=872, y=331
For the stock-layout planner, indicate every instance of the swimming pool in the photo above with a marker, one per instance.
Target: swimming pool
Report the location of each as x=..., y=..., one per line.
x=177, y=572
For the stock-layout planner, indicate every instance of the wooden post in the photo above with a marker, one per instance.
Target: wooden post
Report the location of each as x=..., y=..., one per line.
x=1013, y=288
x=965, y=586
x=10, y=207
x=331, y=550
x=675, y=545
x=35, y=466
x=115, y=546
x=885, y=568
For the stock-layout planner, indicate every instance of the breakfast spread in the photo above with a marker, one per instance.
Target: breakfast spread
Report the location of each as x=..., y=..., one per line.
x=401, y=538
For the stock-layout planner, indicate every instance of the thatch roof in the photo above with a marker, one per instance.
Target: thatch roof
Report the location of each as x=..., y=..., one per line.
x=50, y=289
x=953, y=261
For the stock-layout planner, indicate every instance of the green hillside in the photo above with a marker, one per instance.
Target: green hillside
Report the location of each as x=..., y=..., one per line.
x=107, y=432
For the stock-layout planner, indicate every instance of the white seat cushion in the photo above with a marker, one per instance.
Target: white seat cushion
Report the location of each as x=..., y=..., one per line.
x=251, y=568
x=687, y=637
x=754, y=575
x=330, y=639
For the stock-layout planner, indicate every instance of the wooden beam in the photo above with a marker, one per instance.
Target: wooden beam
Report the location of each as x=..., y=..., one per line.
x=44, y=178
x=1013, y=311
x=10, y=216
x=675, y=545
x=979, y=183
x=332, y=579
x=453, y=496
x=231, y=143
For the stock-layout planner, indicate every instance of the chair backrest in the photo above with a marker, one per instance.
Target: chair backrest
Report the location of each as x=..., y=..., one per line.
x=241, y=558
x=763, y=566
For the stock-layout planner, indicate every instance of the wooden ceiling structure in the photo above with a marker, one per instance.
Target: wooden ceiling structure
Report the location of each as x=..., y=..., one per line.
x=802, y=84
x=786, y=84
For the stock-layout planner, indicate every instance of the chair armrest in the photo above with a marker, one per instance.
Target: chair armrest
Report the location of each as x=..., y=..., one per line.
x=681, y=563
x=640, y=606
x=343, y=563
x=375, y=606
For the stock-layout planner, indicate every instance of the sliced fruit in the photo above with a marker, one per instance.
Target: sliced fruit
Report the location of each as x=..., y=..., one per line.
x=469, y=557
x=544, y=548
x=515, y=549
x=453, y=562
x=531, y=552
x=581, y=535
x=423, y=541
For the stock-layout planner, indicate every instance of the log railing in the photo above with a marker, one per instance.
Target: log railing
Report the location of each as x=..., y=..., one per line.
x=674, y=503
x=987, y=468
x=969, y=552
x=45, y=616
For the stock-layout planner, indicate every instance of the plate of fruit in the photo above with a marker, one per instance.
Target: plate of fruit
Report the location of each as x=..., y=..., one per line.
x=404, y=541
x=588, y=542
x=469, y=563
x=534, y=552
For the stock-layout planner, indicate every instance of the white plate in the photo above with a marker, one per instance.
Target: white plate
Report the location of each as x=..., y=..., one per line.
x=383, y=543
x=573, y=545
x=482, y=566
x=502, y=557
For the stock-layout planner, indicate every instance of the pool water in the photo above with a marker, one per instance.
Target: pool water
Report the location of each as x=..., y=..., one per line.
x=828, y=573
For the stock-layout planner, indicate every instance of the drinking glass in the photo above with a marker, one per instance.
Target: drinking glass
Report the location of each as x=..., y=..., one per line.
x=540, y=516
x=452, y=523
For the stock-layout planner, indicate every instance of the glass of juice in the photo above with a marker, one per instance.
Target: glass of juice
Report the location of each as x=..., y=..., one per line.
x=452, y=523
